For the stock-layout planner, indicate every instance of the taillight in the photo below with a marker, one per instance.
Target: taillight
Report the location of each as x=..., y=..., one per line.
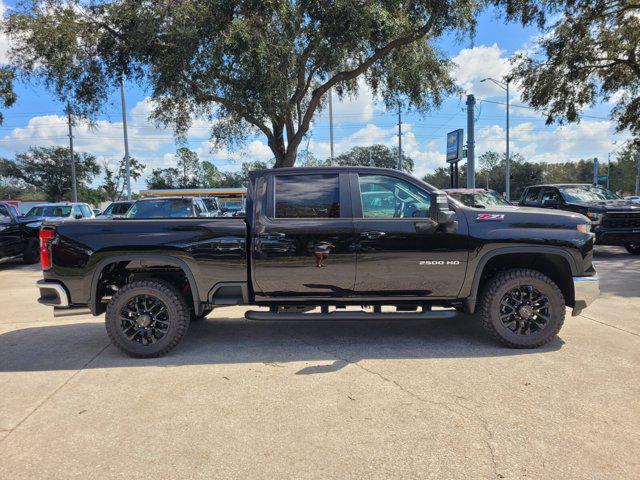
x=46, y=235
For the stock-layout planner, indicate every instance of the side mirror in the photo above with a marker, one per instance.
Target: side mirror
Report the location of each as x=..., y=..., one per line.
x=77, y=216
x=550, y=202
x=440, y=211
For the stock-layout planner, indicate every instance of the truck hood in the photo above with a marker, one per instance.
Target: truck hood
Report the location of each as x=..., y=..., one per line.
x=527, y=217
x=619, y=205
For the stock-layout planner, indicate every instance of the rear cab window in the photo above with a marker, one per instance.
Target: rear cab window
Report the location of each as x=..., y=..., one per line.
x=307, y=196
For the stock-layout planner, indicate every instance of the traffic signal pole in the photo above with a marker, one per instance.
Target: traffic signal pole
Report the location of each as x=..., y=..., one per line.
x=74, y=188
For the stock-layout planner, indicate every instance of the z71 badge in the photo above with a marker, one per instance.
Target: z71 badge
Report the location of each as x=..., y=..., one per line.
x=490, y=217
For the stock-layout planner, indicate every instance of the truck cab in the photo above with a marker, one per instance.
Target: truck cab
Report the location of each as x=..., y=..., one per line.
x=315, y=241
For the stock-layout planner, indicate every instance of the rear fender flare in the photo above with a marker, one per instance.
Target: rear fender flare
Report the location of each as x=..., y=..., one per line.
x=166, y=259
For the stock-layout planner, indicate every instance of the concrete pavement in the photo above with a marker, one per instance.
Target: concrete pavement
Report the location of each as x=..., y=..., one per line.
x=246, y=400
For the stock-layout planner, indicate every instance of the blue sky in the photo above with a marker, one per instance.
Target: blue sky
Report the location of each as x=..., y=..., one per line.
x=38, y=119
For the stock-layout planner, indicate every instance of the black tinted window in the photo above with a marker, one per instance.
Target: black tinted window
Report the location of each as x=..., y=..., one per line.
x=119, y=208
x=307, y=196
x=532, y=196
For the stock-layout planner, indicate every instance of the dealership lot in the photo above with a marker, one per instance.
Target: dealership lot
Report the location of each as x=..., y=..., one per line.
x=239, y=399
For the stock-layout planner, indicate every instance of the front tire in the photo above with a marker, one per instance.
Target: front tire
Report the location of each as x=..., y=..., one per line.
x=147, y=318
x=633, y=248
x=522, y=308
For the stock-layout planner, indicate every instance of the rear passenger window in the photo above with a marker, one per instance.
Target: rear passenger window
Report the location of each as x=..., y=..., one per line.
x=531, y=197
x=307, y=196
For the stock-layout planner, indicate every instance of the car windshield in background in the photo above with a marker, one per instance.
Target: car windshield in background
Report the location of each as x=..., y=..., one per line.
x=167, y=208
x=50, y=211
x=480, y=199
x=587, y=193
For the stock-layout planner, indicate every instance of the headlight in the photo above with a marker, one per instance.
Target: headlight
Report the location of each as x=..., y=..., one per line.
x=595, y=218
x=584, y=227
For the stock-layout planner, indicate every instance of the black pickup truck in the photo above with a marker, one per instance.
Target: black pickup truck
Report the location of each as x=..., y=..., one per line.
x=318, y=240
x=614, y=220
x=18, y=235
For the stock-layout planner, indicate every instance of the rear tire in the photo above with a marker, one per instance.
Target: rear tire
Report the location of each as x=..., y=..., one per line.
x=633, y=248
x=31, y=253
x=522, y=308
x=147, y=318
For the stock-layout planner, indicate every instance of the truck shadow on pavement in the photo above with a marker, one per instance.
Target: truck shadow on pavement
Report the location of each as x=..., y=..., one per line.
x=219, y=341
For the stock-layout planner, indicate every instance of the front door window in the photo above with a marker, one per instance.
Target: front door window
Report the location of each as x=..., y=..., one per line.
x=388, y=197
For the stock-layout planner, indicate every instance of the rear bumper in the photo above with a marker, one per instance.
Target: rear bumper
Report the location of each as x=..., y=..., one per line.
x=586, y=290
x=53, y=294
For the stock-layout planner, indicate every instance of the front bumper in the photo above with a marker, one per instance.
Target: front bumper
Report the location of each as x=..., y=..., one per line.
x=586, y=290
x=610, y=236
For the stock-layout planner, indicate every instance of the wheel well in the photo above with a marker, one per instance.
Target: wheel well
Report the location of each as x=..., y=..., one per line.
x=556, y=267
x=115, y=275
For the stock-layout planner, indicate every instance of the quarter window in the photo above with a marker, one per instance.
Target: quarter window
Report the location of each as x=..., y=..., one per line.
x=389, y=197
x=307, y=196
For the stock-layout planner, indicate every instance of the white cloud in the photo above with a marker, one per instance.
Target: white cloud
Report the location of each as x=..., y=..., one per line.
x=477, y=63
x=4, y=40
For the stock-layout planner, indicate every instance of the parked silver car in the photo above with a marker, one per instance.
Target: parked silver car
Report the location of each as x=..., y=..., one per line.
x=61, y=211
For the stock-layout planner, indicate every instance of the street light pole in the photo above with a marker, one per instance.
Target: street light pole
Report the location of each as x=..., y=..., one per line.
x=127, y=165
x=508, y=159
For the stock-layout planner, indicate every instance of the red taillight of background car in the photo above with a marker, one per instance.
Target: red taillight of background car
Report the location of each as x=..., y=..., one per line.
x=46, y=235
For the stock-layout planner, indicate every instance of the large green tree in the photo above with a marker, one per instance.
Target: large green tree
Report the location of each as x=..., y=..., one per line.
x=48, y=170
x=256, y=66
x=7, y=95
x=590, y=52
x=374, y=155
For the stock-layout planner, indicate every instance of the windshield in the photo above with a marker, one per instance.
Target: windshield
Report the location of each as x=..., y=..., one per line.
x=587, y=193
x=480, y=199
x=162, y=208
x=57, y=211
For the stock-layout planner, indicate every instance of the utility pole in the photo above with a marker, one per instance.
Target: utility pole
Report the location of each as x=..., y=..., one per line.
x=331, y=122
x=371, y=164
x=471, y=159
x=608, y=170
x=595, y=171
x=508, y=159
x=74, y=189
x=127, y=165
x=399, y=137
x=638, y=171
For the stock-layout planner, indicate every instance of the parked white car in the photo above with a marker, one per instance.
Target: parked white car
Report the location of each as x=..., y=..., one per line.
x=633, y=198
x=61, y=211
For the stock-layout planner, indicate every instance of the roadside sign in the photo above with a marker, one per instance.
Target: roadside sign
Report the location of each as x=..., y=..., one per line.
x=455, y=140
x=603, y=177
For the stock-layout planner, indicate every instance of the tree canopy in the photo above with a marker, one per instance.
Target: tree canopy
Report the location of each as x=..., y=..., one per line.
x=256, y=66
x=590, y=52
x=48, y=170
x=370, y=156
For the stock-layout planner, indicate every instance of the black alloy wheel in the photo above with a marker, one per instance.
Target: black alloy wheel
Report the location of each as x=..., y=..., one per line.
x=522, y=308
x=147, y=318
x=144, y=319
